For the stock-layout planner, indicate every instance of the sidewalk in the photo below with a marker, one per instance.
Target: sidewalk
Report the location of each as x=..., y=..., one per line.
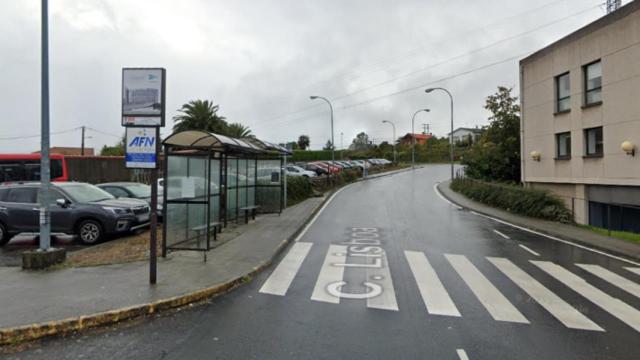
x=562, y=231
x=76, y=298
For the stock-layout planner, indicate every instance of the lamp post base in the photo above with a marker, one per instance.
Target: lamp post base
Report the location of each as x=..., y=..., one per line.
x=38, y=259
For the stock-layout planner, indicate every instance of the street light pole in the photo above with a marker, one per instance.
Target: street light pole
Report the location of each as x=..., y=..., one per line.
x=394, y=138
x=451, y=134
x=45, y=174
x=413, y=137
x=333, y=143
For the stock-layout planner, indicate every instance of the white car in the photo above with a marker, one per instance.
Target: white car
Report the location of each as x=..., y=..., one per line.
x=294, y=170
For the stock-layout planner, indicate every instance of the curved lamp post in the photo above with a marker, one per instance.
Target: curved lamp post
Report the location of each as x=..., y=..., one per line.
x=413, y=137
x=394, y=138
x=333, y=144
x=450, y=135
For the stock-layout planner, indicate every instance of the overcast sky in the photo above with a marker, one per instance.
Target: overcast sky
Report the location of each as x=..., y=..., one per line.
x=260, y=61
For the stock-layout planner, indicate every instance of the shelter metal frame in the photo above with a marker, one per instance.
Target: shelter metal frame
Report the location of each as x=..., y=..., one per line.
x=196, y=144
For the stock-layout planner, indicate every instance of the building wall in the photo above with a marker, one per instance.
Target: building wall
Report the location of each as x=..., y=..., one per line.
x=617, y=45
x=463, y=134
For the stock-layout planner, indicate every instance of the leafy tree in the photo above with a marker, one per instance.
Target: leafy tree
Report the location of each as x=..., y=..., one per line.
x=328, y=145
x=237, y=130
x=361, y=142
x=495, y=156
x=116, y=150
x=303, y=142
x=292, y=145
x=200, y=115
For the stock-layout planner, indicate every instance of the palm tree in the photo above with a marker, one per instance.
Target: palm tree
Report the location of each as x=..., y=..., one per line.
x=199, y=115
x=238, y=130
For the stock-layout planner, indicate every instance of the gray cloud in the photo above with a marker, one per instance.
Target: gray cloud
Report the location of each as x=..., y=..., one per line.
x=260, y=60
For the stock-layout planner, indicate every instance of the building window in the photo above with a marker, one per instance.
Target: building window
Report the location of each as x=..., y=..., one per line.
x=563, y=145
x=563, y=93
x=593, y=141
x=593, y=83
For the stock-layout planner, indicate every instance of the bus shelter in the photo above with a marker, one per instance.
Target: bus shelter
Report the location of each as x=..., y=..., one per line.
x=210, y=180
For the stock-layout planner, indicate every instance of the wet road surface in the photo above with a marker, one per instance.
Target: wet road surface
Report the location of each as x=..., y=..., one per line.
x=391, y=270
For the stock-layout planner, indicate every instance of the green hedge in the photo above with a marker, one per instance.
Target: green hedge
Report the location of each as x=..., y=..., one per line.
x=517, y=199
x=298, y=189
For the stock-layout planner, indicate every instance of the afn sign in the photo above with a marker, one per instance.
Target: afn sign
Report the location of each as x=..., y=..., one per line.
x=141, y=148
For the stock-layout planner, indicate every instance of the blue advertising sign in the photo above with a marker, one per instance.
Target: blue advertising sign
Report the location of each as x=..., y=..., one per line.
x=141, y=148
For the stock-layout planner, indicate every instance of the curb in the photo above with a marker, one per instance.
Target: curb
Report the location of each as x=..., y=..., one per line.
x=36, y=331
x=561, y=236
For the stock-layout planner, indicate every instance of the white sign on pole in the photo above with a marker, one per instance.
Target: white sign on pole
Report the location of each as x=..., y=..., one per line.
x=143, y=97
x=141, y=148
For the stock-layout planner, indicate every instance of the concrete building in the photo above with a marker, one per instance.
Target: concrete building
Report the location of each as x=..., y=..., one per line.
x=581, y=120
x=463, y=134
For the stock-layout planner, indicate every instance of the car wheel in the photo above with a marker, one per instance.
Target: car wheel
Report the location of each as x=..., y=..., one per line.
x=90, y=232
x=4, y=235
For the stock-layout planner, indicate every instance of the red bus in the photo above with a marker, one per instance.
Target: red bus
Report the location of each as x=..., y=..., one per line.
x=26, y=167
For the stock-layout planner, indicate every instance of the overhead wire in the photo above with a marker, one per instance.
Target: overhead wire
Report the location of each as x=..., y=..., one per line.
x=459, y=56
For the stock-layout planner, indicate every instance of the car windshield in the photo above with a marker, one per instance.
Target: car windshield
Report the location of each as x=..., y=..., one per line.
x=139, y=190
x=83, y=193
x=297, y=168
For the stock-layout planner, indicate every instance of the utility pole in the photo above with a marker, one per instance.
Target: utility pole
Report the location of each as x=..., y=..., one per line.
x=82, y=143
x=45, y=169
x=425, y=128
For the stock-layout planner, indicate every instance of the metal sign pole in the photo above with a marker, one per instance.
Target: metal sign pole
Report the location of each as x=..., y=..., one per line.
x=143, y=110
x=153, y=241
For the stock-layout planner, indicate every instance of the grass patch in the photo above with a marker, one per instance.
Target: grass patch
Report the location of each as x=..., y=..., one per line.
x=514, y=198
x=622, y=235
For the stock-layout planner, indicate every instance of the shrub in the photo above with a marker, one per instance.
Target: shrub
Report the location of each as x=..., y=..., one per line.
x=298, y=189
x=513, y=198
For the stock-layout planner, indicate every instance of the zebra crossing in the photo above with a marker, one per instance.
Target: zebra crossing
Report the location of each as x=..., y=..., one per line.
x=380, y=293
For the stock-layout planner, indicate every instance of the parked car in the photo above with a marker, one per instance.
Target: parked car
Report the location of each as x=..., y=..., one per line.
x=132, y=190
x=332, y=169
x=327, y=167
x=80, y=209
x=319, y=170
x=345, y=164
x=293, y=170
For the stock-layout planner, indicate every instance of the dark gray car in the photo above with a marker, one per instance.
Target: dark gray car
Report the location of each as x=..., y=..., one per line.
x=132, y=190
x=77, y=208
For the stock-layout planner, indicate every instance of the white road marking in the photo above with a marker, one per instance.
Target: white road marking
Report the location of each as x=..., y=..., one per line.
x=382, y=276
x=634, y=270
x=435, y=188
x=434, y=295
x=280, y=279
x=462, y=354
x=558, y=239
x=491, y=298
x=306, y=228
x=613, y=278
x=529, y=250
x=501, y=234
x=330, y=274
x=562, y=311
x=613, y=306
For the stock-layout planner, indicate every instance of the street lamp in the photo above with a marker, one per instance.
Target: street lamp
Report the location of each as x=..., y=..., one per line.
x=450, y=135
x=413, y=137
x=394, y=138
x=333, y=144
x=45, y=174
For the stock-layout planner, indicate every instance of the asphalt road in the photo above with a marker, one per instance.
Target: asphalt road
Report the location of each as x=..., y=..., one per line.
x=389, y=270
